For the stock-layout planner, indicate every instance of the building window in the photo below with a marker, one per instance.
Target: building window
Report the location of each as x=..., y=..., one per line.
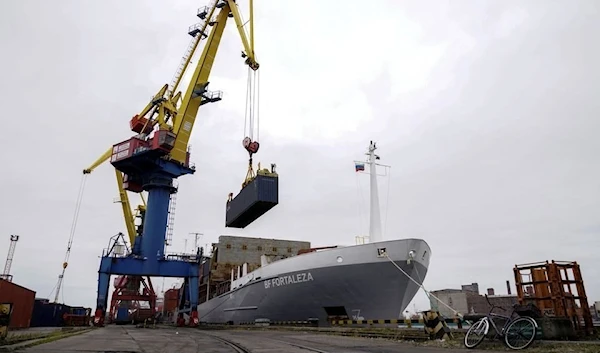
x=259, y=248
x=244, y=247
x=228, y=246
x=274, y=249
x=290, y=250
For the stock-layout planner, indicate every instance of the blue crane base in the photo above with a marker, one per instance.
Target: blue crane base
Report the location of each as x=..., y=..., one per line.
x=187, y=269
x=146, y=166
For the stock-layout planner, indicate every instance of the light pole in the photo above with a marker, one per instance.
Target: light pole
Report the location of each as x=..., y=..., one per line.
x=196, y=237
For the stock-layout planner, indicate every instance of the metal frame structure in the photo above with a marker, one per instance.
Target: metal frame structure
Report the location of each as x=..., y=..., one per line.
x=554, y=288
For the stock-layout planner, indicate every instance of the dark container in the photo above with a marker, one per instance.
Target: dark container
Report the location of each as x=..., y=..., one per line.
x=78, y=310
x=79, y=316
x=142, y=315
x=122, y=315
x=22, y=303
x=259, y=196
x=46, y=314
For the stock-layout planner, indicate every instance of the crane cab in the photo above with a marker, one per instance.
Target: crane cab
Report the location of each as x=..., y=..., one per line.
x=163, y=140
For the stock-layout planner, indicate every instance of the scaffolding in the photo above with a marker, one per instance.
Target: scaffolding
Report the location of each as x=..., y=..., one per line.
x=557, y=290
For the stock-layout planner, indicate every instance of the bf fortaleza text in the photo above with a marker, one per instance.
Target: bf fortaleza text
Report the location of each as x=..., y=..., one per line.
x=289, y=279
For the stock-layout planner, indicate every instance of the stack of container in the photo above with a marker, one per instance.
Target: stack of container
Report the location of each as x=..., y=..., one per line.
x=46, y=314
x=78, y=316
x=21, y=299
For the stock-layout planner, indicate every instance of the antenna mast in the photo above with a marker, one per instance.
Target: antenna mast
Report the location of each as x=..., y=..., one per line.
x=9, y=258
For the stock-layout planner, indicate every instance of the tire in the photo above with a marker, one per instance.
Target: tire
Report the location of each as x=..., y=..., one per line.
x=477, y=331
x=524, y=327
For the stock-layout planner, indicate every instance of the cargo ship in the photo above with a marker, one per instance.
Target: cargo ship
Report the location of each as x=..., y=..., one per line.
x=249, y=279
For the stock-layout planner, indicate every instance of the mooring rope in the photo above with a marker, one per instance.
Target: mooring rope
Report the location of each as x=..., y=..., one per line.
x=423, y=288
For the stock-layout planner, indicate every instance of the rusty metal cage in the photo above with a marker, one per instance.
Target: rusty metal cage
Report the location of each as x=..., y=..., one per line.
x=557, y=290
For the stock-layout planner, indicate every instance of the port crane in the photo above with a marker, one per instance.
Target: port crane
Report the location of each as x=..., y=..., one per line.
x=158, y=154
x=9, y=258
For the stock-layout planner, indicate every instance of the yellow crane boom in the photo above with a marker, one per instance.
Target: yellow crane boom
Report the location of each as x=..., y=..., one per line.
x=163, y=108
x=186, y=116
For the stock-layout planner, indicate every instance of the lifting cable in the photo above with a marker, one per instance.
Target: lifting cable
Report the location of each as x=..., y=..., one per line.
x=251, y=120
x=429, y=295
x=252, y=105
x=251, y=115
x=71, y=235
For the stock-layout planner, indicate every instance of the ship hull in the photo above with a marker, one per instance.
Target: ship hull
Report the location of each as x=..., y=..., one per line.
x=354, y=281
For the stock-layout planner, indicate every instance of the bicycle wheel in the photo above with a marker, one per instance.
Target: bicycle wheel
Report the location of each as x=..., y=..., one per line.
x=520, y=333
x=476, y=333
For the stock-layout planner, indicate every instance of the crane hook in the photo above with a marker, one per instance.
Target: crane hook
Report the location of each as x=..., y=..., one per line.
x=250, y=146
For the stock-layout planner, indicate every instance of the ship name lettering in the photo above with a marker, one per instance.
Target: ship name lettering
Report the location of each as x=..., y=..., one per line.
x=288, y=279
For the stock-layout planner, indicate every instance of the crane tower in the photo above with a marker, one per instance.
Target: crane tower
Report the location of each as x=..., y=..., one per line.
x=9, y=258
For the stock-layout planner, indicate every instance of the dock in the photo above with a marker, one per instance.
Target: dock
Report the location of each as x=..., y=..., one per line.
x=169, y=339
x=165, y=339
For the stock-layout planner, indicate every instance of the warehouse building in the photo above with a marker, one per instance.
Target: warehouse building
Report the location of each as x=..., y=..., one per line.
x=467, y=300
x=21, y=299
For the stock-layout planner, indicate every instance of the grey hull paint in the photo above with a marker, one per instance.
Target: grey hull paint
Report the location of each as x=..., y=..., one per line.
x=374, y=290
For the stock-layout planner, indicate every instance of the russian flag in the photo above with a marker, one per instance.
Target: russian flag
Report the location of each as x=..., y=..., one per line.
x=359, y=167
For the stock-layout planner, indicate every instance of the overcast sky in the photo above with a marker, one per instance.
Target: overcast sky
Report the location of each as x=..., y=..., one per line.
x=486, y=110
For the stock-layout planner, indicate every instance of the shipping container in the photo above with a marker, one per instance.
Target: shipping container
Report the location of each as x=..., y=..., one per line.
x=255, y=199
x=22, y=301
x=171, y=300
x=140, y=315
x=46, y=314
x=172, y=293
x=79, y=316
x=122, y=315
x=78, y=310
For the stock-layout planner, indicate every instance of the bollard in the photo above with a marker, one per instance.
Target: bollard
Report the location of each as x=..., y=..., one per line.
x=458, y=322
x=435, y=326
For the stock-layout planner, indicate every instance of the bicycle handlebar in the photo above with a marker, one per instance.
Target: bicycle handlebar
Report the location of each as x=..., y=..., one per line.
x=492, y=305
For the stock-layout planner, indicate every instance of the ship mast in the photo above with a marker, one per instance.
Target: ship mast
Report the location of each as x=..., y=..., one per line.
x=375, y=229
x=375, y=234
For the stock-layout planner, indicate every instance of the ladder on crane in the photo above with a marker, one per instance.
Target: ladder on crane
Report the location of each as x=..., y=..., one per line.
x=171, y=220
x=9, y=258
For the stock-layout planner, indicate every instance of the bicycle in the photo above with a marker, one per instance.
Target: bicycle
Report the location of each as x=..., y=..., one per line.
x=510, y=332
